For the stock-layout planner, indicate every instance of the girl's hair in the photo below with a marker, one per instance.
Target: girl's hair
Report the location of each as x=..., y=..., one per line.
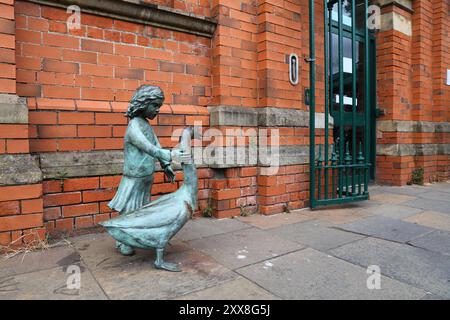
x=143, y=95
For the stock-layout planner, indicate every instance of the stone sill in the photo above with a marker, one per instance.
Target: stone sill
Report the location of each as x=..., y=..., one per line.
x=147, y=14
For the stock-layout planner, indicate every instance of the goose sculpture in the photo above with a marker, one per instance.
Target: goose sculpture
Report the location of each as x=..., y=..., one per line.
x=153, y=225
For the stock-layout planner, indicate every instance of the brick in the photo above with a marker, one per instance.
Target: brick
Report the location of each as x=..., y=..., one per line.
x=129, y=73
x=7, y=71
x=55, y=104
x=58, y=66
x=95, y=70
x=13, y=131
x=109, y=144
x=7, y=41
x=226, y=194
x=76, y=144
x=32, y=206
x=94, y=131
x=28, y=36
x=61, y=92
x=59, y=199
x=61, y=41
x=114, y=60
x=81, y=184
x=9, y=208
x=79, y=56
x=64, y=224
x=43, y=145
x=34, y=235
x=17, y=146
x=98, y=94
x=5, y=239
x=52, y=213
x=98, y=195
x=29, y=9
x=8, y=56
x=96, y=46
x=42, y=117
x=110, y=118
x=80, y=210
x=37, y=24
x=57, y=131
x=110, y=182
x=84, y=222
x=28, y=90
x=76, y=118
x=29, y=221
x=41, y=51
x=87, y=105
x=20, y=192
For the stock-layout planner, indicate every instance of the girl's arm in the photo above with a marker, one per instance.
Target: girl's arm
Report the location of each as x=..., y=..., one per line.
x=138, y=139
x=163, y=162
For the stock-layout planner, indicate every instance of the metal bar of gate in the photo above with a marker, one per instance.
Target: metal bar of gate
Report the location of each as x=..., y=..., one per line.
x=312, y=109
x=366, y=99
x=341, y=99
x=354, y=132
x=326, y=62
x=331, y=88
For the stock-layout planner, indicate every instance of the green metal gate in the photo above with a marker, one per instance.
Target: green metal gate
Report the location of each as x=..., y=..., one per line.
x=340, y=166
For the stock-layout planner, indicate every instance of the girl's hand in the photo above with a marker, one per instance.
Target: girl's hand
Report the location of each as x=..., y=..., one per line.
x=181, y=156
x=170, y=174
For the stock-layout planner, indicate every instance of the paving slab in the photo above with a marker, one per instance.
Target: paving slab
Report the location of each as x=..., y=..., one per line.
x=430, y=205
x=238, y=289
x=443, y=186
x=431, y=219
x=38, y=260
x=392, y=198
x=244, y=247
x=387, y=228
x=310, y=274
x=50, y=284
x=269, y=222
x=316, y=234
x=136, y=278
x=394, y=211
x=436, y=195
x=206, y=227
x=337, y=215
x=437, y=241
x=420, y=268
x=405, y=190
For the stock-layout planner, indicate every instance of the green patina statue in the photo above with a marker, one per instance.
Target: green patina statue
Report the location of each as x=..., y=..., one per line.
x=143, y=224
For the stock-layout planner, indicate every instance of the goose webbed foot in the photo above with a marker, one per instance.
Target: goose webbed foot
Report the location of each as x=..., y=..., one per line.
x=124, y=249
x=160, y=264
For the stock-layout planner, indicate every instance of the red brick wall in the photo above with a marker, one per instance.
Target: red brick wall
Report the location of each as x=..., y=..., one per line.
x=411, y=86
x=7, y=45
x=78, y=84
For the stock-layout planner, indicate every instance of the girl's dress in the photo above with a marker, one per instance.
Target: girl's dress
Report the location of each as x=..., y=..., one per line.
x=141, y=150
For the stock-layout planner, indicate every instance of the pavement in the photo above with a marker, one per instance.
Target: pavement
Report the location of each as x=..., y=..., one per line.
x=330, y=253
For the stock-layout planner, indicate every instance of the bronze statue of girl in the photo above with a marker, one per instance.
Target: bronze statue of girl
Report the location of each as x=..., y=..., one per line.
x=141, y=150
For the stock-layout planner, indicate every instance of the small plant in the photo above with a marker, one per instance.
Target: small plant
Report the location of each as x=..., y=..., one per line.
x=207, y=212
x=286, y=208
x=417, y=176
x=244, y=211
x=61, y=175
